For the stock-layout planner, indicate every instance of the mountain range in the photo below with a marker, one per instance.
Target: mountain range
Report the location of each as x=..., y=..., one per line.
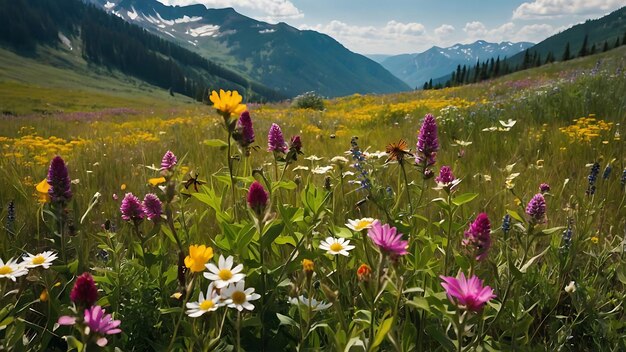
x=415, y=69
x=289, y=60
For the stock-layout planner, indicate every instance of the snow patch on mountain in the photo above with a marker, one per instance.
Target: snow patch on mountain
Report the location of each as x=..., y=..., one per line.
x=208, y=30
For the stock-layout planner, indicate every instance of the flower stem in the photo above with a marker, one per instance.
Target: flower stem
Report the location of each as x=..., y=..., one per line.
x=238, y=331
x=448, y=249
x=232, y=176
x=406, y=185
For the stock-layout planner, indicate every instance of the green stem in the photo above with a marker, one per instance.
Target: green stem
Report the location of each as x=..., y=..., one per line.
x=448, y=250
x=182, y=312
x=406, y=185
x=232, y=176
x=238, y=349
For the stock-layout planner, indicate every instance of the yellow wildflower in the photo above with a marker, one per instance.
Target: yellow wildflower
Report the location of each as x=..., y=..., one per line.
x=43, y=296
x=595, y=240
x=308, y=265
x=42, y=190
x=198, y=257
x=123, y=187
x=228, y=102
x=156, y=181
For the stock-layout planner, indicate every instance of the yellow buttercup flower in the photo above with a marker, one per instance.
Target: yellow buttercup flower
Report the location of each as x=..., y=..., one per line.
x=594, y=240
x=228, y=102
x=156, y=181
x=198, y=257
x=308, y=266
x=42, y=190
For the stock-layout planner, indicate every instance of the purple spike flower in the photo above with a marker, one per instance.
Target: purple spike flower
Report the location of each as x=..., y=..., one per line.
x=257, y=198
x=244, y=132
x=131, y=208
x=169, y=161
x=427, y=141
x=544, y=187
x=536, y=209
x=275, y=140
x=478, y=236
x=445, y=175
x=387, y=239
x=152, y=207
x=59, y=180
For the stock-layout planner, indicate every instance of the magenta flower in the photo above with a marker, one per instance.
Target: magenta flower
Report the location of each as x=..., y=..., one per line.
x=445, y=175
x=536, y=209
x=257, y=198
x=244, y=133
x=152, y=207
x=97, y=324
x=478, y=237
x=275, y=140
x=168, y=161
x=427, y=142
x=387, y=239
x=296, y=144
x=468, y=294
x=59, y=180
x=131, y=208
x=544, y=187
x=84, y=293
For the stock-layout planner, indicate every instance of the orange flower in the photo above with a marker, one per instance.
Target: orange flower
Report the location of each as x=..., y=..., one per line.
x=308, y=266
x=363, y=272
x=397, y=151
x=198, y=257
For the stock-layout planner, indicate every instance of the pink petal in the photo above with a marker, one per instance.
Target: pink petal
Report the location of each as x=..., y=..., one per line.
x=67, y=320
x=102, y=342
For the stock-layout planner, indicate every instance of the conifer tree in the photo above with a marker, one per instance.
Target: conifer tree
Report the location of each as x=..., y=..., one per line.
x=584, y=51
x=566, y=53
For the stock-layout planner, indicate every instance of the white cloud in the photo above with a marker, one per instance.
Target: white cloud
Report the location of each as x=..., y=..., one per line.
x=538, y=9
x=273, y=10
x=510, y=32
x=444, y=30
x=393, y=37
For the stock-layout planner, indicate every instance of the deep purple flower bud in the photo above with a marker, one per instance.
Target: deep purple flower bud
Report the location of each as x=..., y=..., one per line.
x=478, y=237
x=59, y=180
x=152, y=207
x=296, y=144
x=275, y=140
x=84, y=293
x=169, y=161
x=536, y=208
x=244, y=132
x=427, y=141
x=257, y=198
x=131, y=208
x=544, y=187
x=445, y=175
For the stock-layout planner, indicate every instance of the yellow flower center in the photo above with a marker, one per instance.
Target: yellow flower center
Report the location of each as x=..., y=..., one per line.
x=225, y=274
x=206, y=305
x=39, y=259
x=239, y=297
x=5, y=270
x=362, y=224
x=336, y=247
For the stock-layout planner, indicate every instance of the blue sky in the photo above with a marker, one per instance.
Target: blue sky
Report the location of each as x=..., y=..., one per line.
x=409, y=26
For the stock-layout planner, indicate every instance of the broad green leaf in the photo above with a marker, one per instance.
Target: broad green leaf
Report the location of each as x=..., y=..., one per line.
x=382, y=331
x=515, y=215
x=285, y=320
x=532, y=260
x=464, y=198
x=270, y=234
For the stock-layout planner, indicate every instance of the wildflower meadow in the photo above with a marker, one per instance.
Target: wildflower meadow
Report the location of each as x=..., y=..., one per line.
x=485, y=217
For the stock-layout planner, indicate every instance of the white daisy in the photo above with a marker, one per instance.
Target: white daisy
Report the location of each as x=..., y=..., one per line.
x=315, y=304
x=235, y=296
x=224, y=273
x=360, y=224
x=210, y=303
x=44, y=260
x=11, y=269
x=320, y=170
x=336, y=246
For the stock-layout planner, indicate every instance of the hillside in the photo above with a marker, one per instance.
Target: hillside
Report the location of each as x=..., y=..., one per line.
x=415, y=69
x=108, y=41
x=277, y=55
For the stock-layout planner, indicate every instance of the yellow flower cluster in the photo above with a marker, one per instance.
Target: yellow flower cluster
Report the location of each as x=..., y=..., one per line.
x=31, y=149
x=585, y=129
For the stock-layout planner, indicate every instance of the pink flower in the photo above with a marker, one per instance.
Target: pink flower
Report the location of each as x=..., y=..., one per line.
x=131, y=208
x=536, y=209
x=101, y=324
x=152, y=207
x=478, y=236
x=275, y=140
x=257, y=198
x=467, y=294
x=84, y=293
x=387, y=239
x=168, y=161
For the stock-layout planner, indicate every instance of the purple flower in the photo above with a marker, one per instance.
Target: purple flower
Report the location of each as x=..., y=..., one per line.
x=427, y=141
x=59, y=180
x=257, y=198
x=536, y=209
x=275, y=140
x=296, y=144
x=478, y=237
x=101, y=324
x=168, y=161
x=468, y=294
x=131, y=208
x=387, y=239
x=244, y=133
x=445, y=175
x=84, y=293
x=544, y=187
x=152, y=207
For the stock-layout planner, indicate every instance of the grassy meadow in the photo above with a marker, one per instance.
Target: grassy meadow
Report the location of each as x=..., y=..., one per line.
x=558, y=282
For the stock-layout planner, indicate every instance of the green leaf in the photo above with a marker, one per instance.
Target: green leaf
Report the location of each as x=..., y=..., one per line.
x=515, y=215
x=73, y=343
x=383, y=329
x=215, y=143
x=285, y=240
x=464, y=198
x=532, y=260
x=285, y=320
x=343, y=232
x=552, y=230
x=172, y=310
x=289, y=185
x=270, y=234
